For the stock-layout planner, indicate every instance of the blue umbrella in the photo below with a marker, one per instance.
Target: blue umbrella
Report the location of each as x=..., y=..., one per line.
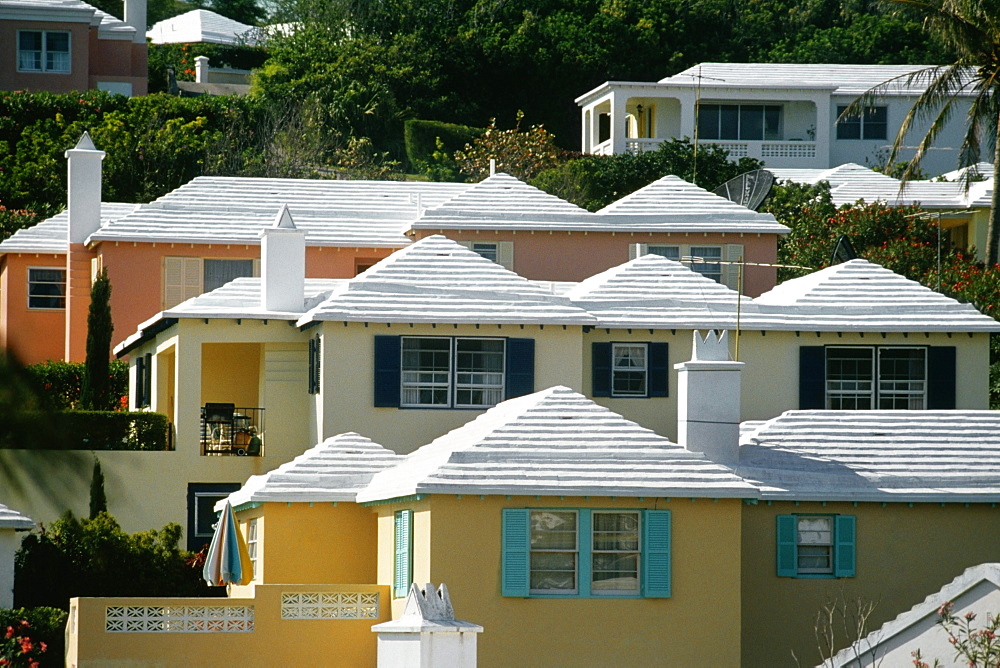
x=228, y=560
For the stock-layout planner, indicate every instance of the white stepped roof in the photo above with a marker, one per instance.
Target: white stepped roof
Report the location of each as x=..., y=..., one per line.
x=555, y=442
x=368, y=214
x=859, y=295
x=67, y=11
x=652, y=291
x=920, y=455
x=437, y=280
x=11, y=519
x=202, y=25
x=49, y=236
x=985, y=170
x=333, y=470
x=675, y=204
x=503, y=202
x=839, y=79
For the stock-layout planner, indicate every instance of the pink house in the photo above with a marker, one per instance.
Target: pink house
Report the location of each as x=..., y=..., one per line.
x=65, y=45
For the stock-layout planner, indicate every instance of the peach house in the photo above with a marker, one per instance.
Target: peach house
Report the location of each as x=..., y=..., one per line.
x=205, y=233
x=65, y=45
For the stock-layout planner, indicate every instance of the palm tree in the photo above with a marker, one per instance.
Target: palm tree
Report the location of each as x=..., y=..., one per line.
x=971, y=30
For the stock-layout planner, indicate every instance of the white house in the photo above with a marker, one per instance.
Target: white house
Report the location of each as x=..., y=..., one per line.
x=785, y=115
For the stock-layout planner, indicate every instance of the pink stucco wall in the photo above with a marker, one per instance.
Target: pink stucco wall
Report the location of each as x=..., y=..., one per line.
x=31, y=335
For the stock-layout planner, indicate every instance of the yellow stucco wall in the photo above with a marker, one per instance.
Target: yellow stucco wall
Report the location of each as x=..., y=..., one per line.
x=274, y=641
x=698, y=626
x=903, y=554
x=348, y=370
x=302, y=543
x=230, y=373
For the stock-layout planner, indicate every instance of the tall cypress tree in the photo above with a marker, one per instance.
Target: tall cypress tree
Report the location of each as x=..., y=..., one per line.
x=94, y=394
x=98, y=499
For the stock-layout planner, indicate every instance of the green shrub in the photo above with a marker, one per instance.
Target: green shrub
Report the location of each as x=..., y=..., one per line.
x=422, y=139
x=95, y=430
x=43, y=627
x=181, y=58
x=59, y=383
x=82, y=557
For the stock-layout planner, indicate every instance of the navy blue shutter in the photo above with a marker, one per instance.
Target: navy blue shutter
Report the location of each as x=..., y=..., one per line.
x=941, y=377
x=601, y=363
x=147, y=380
x=387, y=370
x=140, y=381
x=520, y=368
x=812, y=377
x=845, y=535
x=787, y=547
x=659, y=370
x=514, y=563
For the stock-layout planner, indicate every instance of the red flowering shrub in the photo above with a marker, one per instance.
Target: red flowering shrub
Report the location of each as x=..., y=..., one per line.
x=974, y=647
x=18, y=649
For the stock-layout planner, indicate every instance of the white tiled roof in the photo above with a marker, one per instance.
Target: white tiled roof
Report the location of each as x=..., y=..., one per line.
x=49, y=236
x=859, y=295
x=923, y=455
x=554, y=442
x=202, y=25
x=333, y=470
x=74, y=11
x=437, y=280
x=368, y=214
x=840, y=79
x=985, y=170
x=241, y=298
x=11, y=519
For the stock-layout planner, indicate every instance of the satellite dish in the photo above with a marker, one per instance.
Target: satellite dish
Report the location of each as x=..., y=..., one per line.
x=748, y=189
x=843, y=250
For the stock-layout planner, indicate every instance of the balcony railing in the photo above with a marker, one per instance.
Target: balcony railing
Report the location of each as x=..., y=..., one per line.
x=227, y=429
x=773, y=153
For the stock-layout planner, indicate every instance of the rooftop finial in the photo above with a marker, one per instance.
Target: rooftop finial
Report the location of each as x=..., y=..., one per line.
x=713, y=348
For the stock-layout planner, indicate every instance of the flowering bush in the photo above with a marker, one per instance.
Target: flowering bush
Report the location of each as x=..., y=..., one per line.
x=18, y=649
x=976, y=648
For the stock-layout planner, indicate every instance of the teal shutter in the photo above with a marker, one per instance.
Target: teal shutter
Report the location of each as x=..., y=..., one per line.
x=659, y=369
x=941, y=377
x=787, y=541
x=515, y=553
x=601, y=369
x=656, y=554
x=845, y=536
x=812, y=377
x=403, y=566
x=520, y=368
x=387, y=370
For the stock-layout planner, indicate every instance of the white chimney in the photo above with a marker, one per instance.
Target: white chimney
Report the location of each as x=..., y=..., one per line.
x=84, y=176
x=282, y=265
x=135, y=16
x=201, y=69
x=708, y=400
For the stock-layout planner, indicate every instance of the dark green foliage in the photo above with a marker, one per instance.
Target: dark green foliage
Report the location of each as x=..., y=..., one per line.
x=58, y=383
x=98, y=499
x=82, y=557
x=44, y=625
x=90, y=430
x=594, y=181
x=244, y=11
x=24, y=416
x=95, y=391
x=422, y=137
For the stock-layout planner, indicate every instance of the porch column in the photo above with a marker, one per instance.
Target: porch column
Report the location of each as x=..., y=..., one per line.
x=586, y=131
x=824, y=130
x=618, y=100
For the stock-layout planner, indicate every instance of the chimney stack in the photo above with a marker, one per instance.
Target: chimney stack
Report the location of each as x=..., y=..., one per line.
x=282, y=265
x=84, y=177
x=708, y=400
x=135, y=16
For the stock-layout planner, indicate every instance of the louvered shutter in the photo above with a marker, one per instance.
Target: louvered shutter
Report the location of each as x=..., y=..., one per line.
x=181, y=280
x=812, y=377
x=147, y=380
x=505, y=254
x=601, y=369
x=941, y=377
x=731, y=272
x=844, y=551
x=387, y=370
x=659, y=370
x=787, y=534
x=403, y=563
x=140, y=381
x=515, y=549
x=637, y=250
x=656, y=554
x=520, y=368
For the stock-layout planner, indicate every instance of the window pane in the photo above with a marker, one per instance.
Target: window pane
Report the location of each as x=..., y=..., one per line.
x=751, y=122
x=29, y=51
x=729, y=121
x=220, y=272
x=849, y=127
x=876, y=123
x=772, y=122
x=553, y=551
x=669, y=252
x=57, y=51
x=615, y=558
x=487, y=250
x=46, y=288
x=479, y=365
x=708, y=122
x=702, y=257
x=628, y=377
x=902, y=378
x=849, y=381
x=426, y=371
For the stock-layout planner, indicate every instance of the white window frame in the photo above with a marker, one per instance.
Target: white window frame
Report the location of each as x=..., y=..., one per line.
x=451, y=379
x=32, y=282
x=813, y=541
x=617, y=371
x=253, y=546
x=874, y=387
x=726, y=274
x=630, y=553
x=500, y=252
x=764, y=136
x=535, y=517
x=43, y=59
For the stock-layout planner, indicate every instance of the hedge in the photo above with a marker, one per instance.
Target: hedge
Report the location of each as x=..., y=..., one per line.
x=95, y=430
